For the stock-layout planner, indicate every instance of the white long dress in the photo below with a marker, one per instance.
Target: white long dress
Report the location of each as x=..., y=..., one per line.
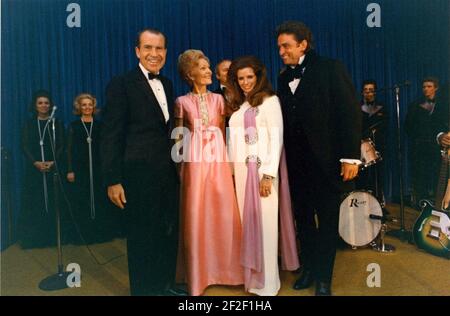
x=269, y=125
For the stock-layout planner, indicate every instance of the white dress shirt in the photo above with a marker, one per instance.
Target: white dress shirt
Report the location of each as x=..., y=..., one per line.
x=158, y=91
x=294, y=83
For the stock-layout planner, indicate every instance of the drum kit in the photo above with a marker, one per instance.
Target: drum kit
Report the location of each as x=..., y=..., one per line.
x=361, y=218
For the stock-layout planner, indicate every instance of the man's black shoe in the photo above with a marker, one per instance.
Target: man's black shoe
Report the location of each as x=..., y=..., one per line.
x=323, y=288
x=175, y=292
x=305, y=281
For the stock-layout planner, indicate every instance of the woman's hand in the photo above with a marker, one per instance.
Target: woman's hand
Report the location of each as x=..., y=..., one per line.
x=265, y=186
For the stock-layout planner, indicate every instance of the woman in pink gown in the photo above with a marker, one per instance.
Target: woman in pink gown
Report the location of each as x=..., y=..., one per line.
x=210, y=222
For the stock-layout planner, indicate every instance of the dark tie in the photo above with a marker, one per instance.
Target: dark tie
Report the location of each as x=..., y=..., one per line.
x=152, y=76
x=297, y=72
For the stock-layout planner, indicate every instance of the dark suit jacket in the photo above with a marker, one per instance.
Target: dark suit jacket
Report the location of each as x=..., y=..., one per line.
x=378, y=121
x=218, y=91
x=135, y=131
x=325, y=111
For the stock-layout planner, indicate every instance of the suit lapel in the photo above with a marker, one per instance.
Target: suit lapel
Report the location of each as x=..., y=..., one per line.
x=309, y=62
x=143, y=84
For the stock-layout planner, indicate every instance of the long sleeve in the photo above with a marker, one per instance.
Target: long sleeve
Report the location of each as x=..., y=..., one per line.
x=441, y=116
x=349, y=116
x=113, y=132
x=70, y=149
x=26, y=143
x=59, y=129
x=410, y=120
x=274, y=124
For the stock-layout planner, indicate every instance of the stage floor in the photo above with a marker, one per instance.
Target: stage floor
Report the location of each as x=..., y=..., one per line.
x=407, y=271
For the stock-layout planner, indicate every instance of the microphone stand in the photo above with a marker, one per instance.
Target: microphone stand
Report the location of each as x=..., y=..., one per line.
x=401, y=233
x=56, y=281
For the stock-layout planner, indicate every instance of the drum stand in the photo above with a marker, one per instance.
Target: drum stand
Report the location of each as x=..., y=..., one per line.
x=378, y=244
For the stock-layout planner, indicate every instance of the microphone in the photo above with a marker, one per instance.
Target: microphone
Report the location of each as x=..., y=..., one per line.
x=52, y=119
x=405, y=83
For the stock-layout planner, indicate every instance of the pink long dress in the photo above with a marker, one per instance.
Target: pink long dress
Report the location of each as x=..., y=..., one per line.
x=210, y=236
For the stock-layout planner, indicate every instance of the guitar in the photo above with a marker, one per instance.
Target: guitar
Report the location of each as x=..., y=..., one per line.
x=432, y=230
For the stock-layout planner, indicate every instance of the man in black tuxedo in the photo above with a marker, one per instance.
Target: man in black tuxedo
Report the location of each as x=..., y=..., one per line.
x=442, y=132
x=221, y=75
x=374, y=127
x=322, y=128
x=138, y=169
x=426, y=117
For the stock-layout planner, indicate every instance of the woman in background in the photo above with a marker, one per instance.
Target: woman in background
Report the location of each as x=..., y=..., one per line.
x=37, y=226
x=89, y=203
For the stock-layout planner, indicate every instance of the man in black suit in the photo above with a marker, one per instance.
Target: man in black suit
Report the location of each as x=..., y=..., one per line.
x=221, y=75
x=322, y=128
x=374, y=127
x=442, y=132
x=138, y=169
x=426, y=117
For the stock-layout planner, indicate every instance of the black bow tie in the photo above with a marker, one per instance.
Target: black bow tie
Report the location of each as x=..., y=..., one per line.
x=152, y=76
x=297, y=72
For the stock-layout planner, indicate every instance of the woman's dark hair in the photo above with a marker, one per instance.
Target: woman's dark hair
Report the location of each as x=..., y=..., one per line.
x=262, y=89
x=39, y=94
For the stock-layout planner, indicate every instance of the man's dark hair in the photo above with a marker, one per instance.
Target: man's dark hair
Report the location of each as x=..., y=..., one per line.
x=369, y=81
x=153, y=31
x=299, y=30
x=220, y=63
x=434, y=80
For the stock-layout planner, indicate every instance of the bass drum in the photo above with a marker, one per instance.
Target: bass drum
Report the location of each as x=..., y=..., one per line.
x=360, y=218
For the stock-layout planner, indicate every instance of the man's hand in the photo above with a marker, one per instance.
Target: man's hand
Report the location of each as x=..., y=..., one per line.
x=43, y=166
x=446, y=198
x=348, y=171
x=444, y=140
x=116, y=194
x=71, y=177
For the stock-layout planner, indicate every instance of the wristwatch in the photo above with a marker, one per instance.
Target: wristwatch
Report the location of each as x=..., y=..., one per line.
x=266, y=177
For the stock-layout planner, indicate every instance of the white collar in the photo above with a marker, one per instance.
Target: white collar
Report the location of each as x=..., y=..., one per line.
x=145, y=71
x=301, y=59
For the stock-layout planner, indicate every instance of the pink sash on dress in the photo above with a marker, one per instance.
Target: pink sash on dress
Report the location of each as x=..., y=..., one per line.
x=252, y=252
